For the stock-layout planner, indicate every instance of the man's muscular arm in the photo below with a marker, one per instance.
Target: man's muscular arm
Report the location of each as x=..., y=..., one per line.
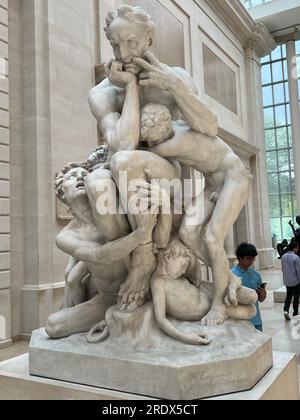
x=158, y=75
x=122, y=132
x=70, y=242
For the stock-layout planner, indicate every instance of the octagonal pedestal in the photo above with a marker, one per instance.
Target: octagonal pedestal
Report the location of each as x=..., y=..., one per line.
x=139, y=358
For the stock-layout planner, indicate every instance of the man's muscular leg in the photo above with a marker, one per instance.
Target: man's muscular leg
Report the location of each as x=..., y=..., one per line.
x=230, y=202
x=133, y=292
x=79, y=319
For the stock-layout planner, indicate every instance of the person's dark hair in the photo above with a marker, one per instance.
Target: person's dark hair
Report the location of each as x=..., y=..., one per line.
x=293, y=245
x=298, y=220
x=246, y=250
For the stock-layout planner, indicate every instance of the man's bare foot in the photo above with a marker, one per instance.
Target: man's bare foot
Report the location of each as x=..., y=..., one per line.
x=133, y=292
x=216, y=316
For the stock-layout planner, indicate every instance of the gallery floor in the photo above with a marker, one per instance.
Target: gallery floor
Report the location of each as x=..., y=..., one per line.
x=272, y=315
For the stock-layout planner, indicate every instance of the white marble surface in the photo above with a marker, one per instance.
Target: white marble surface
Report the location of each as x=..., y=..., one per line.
x=150, y=363
x=280, y=383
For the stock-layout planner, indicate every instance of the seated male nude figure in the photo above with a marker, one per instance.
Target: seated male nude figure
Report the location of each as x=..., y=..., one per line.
x=116, y=105
x=102, y=244
x=177, y=297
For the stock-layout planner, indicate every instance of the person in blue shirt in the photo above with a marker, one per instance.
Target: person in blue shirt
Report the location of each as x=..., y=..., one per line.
x=246, y=255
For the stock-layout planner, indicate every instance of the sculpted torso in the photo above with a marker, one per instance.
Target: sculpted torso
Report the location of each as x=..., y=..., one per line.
x=107, y=276
x=181, y=299
x=107, y=98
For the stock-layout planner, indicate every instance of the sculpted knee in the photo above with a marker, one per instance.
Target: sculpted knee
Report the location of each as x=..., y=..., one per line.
x=53, y=327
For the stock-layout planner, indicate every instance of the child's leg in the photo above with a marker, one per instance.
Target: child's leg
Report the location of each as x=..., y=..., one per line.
x=246, y=296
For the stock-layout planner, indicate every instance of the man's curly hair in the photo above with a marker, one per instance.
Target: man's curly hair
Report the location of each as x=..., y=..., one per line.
x=100, y=155
x=58, y=184
x=153, y=115
x=133, y=14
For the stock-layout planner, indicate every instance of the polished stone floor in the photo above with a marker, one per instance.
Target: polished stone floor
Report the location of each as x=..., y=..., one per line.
x=15, y=350
x=285, y=335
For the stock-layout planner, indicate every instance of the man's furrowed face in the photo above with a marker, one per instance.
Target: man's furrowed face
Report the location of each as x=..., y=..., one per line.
x=128, y=40
x=73, y=185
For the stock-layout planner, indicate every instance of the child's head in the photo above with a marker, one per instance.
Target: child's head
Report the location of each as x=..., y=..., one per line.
x=177, y=258
x=156, y=124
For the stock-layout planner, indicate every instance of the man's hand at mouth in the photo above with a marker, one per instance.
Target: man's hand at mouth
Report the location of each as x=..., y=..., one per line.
x=119, y=77
x=132, y=68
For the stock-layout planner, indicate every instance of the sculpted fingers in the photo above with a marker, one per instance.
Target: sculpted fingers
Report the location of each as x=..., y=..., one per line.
x=143, y=64
x=116, y=66
x=203, y=339
x=144, y=76
x=150, y=57
x=147, y=83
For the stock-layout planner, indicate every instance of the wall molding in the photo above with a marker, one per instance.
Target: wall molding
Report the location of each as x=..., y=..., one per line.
x=239, y=21
x=42, y=287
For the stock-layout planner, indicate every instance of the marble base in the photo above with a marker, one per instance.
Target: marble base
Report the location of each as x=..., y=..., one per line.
x=280, y=295
x=280, y=383
x=155, y=365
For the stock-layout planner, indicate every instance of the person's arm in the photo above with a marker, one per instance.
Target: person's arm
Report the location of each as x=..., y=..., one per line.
x=262, y=293
x=75, y=293
x=70, y=242
x=161, y=76
x=163, y=230
x=297, y=267
x=159, y=303
x=293, y=227
x=121, y=132
x=71, y=264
